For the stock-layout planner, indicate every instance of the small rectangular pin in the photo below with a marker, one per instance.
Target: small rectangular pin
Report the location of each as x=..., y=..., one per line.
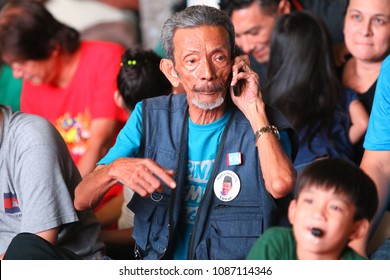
x=233, y=159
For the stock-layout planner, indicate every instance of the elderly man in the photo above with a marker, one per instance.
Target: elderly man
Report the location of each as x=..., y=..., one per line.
x=175, y=149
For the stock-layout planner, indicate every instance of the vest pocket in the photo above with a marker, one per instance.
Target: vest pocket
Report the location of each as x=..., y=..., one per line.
x=165, y=158
x=150, y=224
x=233, y=230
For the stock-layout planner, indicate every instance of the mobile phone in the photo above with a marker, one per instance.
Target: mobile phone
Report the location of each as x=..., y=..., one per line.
x=237, y=87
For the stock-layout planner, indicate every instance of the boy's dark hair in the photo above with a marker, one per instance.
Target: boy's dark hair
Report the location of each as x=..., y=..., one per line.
x=268, y=6
x=29, y=31
x=140, y=77
x=345, y=178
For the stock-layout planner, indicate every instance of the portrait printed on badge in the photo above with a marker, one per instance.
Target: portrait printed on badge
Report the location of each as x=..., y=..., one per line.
x=227, y=185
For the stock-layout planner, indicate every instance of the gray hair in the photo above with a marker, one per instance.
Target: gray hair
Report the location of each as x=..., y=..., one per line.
x=193, y=17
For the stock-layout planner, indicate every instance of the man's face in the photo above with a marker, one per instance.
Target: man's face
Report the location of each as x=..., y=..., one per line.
x=35, y=71
x=253, y=29
x=226, y=187
x=203, y=64
x=367, y=29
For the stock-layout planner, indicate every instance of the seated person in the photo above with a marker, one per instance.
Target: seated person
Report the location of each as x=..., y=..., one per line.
x=75, y=77
x=335, y=203
x=38, y=181
x=368, y=44
x=66, y=80
x=173, y=150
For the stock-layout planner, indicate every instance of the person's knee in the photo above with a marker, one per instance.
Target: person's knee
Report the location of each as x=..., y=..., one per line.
x=25, y=239
x=29, y=246
x=17, y=249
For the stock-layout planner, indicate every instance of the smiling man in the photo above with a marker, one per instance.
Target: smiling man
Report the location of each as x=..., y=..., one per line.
x=174, y=148
x=253, y=22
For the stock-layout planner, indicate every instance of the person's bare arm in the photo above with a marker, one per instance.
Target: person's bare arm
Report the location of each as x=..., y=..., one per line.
x=101, y=139
x=110, y=212
x=140, y=175
x=119, y=236
x=376, y=165
x=278, y=171
x=359, y=121
x=50, y=235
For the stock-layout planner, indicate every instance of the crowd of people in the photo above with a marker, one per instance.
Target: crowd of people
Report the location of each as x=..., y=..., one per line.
x=259, y=134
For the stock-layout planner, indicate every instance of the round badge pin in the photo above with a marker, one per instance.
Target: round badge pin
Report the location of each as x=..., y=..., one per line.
x=227, y=185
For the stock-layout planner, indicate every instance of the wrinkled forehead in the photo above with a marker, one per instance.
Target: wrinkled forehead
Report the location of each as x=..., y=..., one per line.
x=202, y=36
x=378, y=7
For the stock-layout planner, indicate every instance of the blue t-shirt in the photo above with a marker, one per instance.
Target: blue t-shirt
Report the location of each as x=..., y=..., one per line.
x=378, y=135
x=128, y=140
x=203, y=141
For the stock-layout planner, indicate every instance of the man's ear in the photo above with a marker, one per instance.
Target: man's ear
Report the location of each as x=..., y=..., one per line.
x=284, y=7
x=119, y=100
x=291, y=211
x=360, y=229
x=166, y=66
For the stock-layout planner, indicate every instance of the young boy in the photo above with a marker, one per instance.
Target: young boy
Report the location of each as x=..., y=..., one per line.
x=334, y=204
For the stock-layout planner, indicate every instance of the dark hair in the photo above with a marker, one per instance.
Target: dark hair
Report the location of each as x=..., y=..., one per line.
x=267, y=6
x=193, y=17
x=140, y=77
x=301, y=78
x=345, y=178
x=227, y=179
x=29, y=31
x=179, y=6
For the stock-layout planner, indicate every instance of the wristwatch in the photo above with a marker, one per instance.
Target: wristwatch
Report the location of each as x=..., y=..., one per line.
x=267, y=129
